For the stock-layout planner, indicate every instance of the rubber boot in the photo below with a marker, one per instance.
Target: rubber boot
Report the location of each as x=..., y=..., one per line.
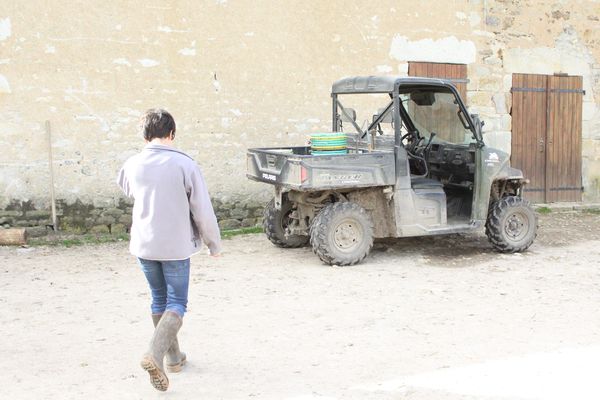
x=175, y=358
x=164, y=335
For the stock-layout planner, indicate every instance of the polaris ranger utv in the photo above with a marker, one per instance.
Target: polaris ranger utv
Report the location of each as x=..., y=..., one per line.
x=416, y=166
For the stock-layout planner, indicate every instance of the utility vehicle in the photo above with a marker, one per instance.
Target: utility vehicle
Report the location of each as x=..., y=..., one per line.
x=417, y=165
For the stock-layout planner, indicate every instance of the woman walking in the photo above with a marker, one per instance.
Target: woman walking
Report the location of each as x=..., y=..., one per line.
x=172, y=213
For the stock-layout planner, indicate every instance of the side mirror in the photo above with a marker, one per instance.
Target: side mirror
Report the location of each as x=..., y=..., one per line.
x=387, y=118
x=478, y=123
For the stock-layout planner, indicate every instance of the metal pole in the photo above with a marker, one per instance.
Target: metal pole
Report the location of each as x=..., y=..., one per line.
x=51, y=164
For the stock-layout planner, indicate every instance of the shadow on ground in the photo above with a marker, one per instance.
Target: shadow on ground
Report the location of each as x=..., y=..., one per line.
x=556, y=230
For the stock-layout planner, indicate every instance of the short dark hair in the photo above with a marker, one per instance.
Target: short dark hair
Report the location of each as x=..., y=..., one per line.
x=157, y=123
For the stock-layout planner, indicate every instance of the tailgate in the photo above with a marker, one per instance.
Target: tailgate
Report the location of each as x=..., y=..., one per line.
x=278, y=166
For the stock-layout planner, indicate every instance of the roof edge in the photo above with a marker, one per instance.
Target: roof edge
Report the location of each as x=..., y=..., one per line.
x=382, y=84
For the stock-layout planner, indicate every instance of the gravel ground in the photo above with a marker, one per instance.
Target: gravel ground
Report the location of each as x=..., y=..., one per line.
x=421, y=318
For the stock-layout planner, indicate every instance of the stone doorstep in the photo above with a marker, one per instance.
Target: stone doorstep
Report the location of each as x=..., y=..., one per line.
x=568, y=206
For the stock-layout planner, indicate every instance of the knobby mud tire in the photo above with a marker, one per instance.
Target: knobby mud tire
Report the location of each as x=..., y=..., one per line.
x=342, y=234
x=511, y=224
x=275, y=222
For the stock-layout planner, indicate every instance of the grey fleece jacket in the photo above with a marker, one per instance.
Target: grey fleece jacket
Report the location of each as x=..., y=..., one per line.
x=172, y=211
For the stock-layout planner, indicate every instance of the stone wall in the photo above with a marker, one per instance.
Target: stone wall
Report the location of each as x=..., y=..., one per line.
x=79, y=217
x=239, y=74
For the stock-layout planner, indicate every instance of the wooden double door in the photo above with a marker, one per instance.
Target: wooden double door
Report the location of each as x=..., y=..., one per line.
x=546, y=135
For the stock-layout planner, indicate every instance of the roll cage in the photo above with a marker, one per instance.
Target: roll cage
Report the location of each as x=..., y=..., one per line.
x=394, y=87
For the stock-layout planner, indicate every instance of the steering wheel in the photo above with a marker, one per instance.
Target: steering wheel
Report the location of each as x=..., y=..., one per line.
x=408, y=134
x=412, y=146
x=416, y=152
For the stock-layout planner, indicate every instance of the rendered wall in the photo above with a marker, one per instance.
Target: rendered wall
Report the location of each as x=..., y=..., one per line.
x=237, y=74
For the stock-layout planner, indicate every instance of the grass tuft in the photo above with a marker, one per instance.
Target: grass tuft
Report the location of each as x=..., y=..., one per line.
x=228, y=234
x=591, y=210
x=544, y=210
x=77, y=240
x=71, y=240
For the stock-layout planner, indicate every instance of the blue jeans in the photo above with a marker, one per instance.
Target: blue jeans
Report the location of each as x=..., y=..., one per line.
x=169, y=282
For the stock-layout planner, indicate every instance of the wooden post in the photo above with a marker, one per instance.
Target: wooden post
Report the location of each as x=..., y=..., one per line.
x=52, y=198
x=13, y=236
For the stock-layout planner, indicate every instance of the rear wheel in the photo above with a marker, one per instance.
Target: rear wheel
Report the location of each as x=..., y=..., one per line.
x=511, y=224
x=275, y=223
x=342, y=234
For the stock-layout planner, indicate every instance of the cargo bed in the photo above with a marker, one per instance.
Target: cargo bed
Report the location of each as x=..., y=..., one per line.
x=296, y=168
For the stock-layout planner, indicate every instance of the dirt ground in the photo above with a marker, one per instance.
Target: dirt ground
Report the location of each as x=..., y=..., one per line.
x=422, y=318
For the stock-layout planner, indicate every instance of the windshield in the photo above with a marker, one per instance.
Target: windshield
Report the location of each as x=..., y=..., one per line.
x=437, y=112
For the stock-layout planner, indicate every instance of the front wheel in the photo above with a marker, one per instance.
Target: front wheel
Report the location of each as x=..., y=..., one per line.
x=511, y=224
x=342, y=234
